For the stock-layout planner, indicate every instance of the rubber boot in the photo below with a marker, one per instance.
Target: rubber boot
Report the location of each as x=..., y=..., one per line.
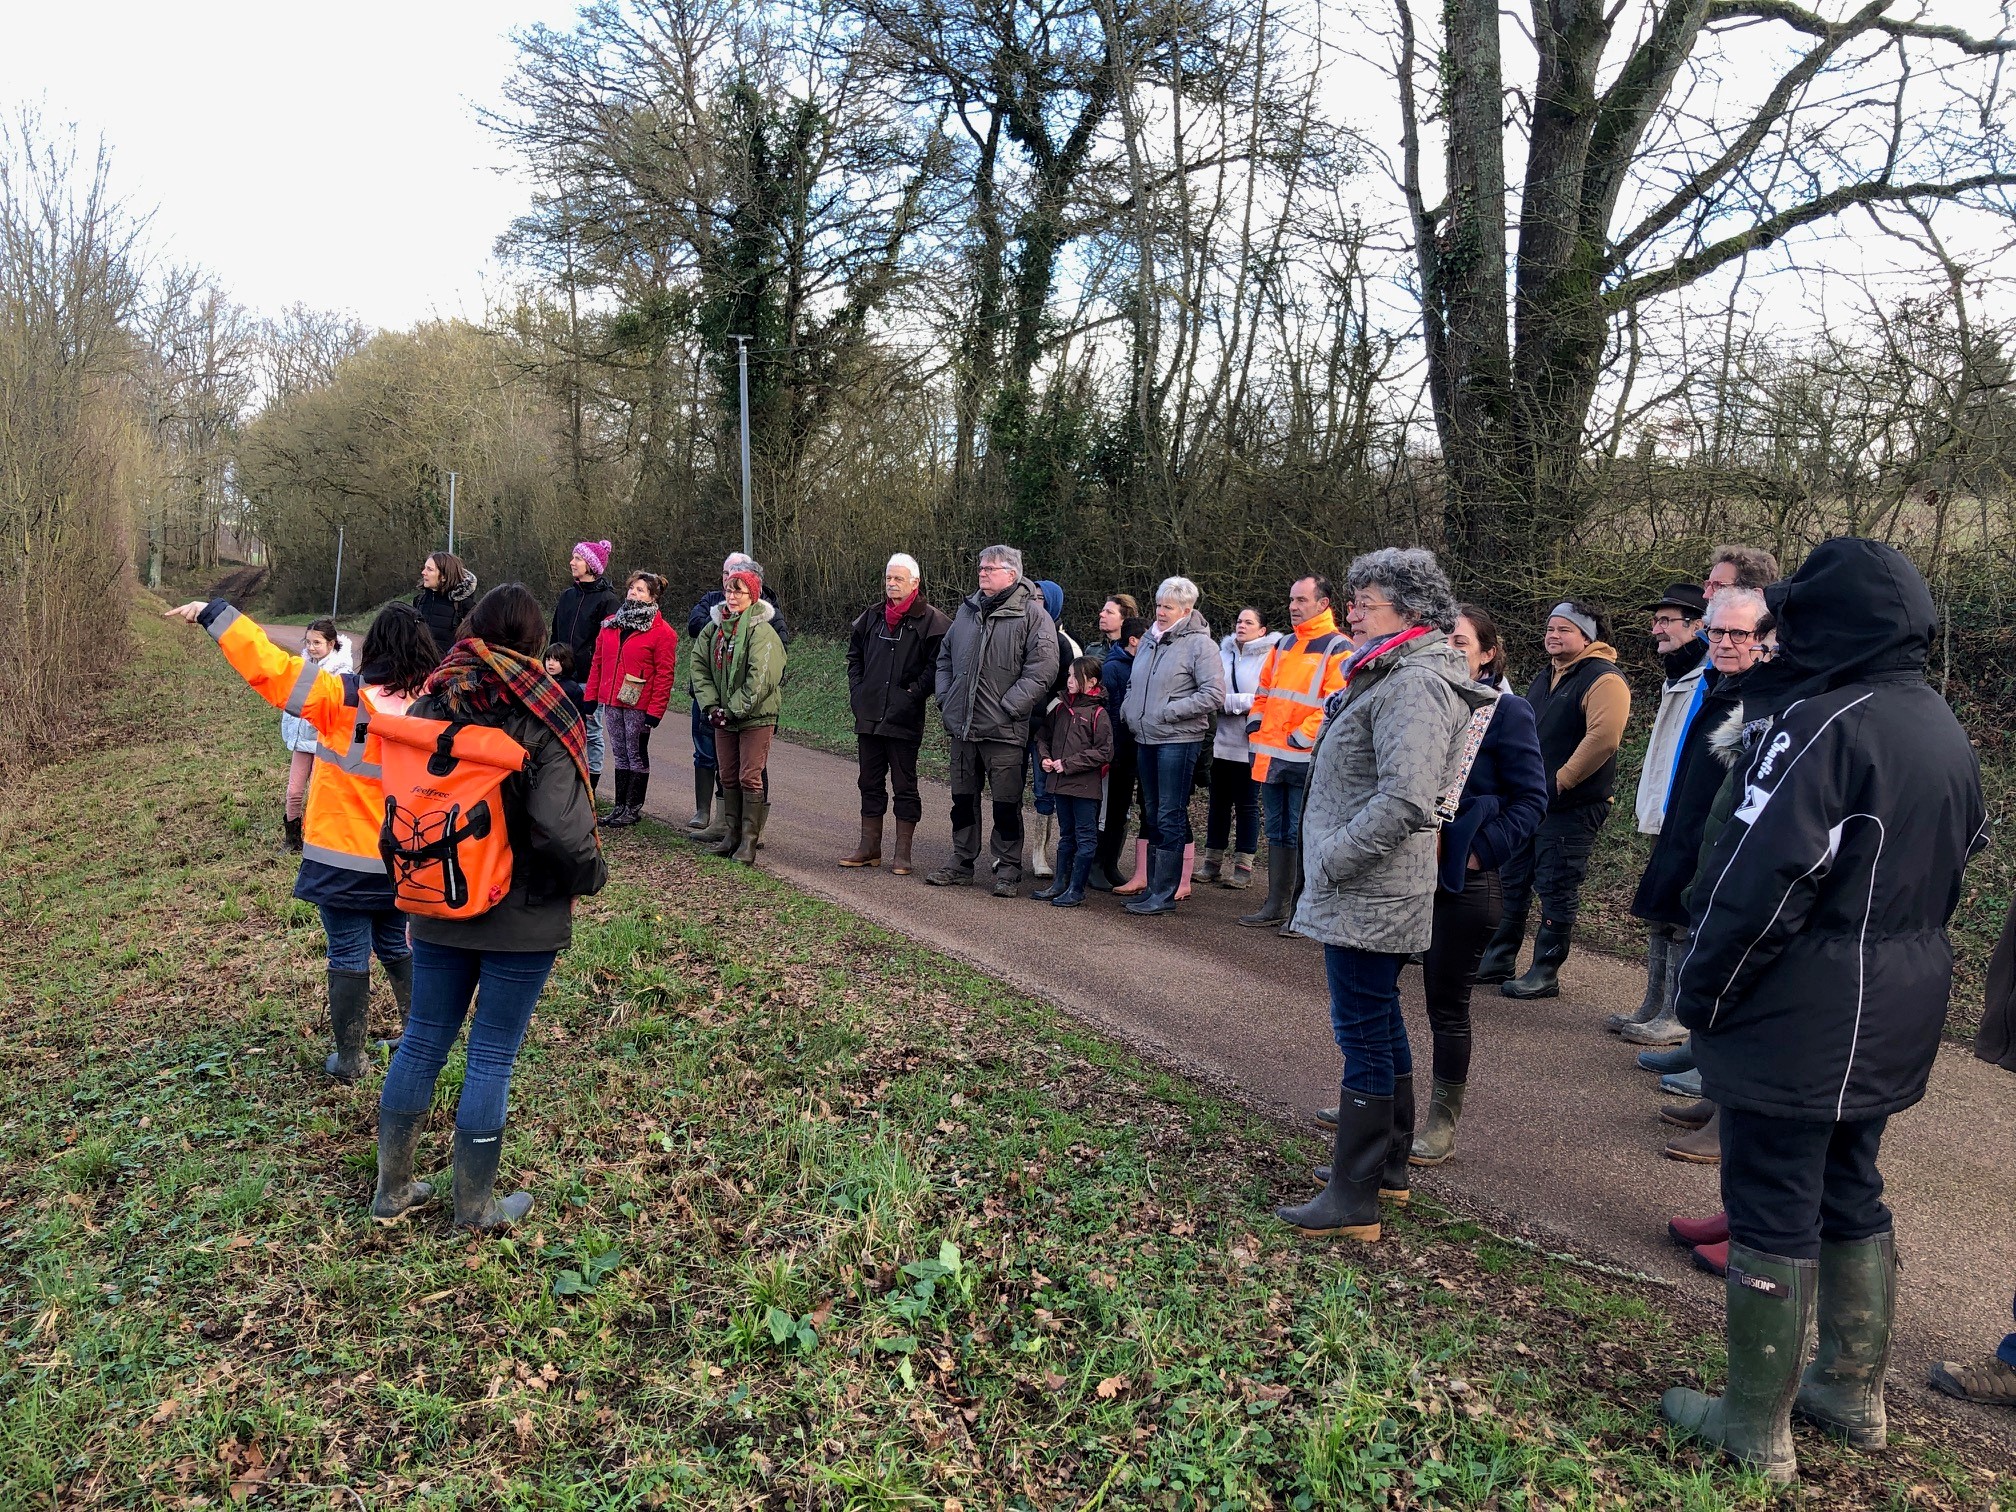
x=1210, y=866
x=349, y=1005
x=1188, y=872
x=1437, y=1140
x=1688, y=1232
x=869, y=851
x=1294, y=892
x=1238, y=871
x=1842, y=1391
x=1692, y=1115
x=293, y=829
x=476, y=1205
x=1282, y=864
x=1039, y=848
x=1668, y=1062
x=1165, y=868
x=1542, y=979
x=1658, y=956
x=730, y=839
x=1081, y=873
x=717, y=828
x=703, y=798
x=1393, y=1185
x=899, y=862
x=1138, y=883
x=754, y=812
x=399, y=976
x=1664, y=1027
x=1348, y=1206
x=398, y=1193
x=639, y=783
x=1500, y=961
x=1771, y=1304
x=621, y=816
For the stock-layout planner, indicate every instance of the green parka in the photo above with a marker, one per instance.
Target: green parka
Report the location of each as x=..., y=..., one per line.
x=751, y=686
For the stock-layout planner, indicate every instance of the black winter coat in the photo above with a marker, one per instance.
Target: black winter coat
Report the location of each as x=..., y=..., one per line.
x=1817, y=982
x=578, y=617
x=444, y=611
x=1996, y=1043
x=1697, y=777
x=890, y=674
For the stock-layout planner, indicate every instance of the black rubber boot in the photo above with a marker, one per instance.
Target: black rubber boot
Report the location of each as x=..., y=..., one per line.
x=1165, y=872
x=1500, y=962
x=1771, y=1302
x=639, y=781
x=476, y=1206
x=399, y=975
x=1294, y=898
x=1842, y=1391
x=1348, y=1207
x=1543, y=979
x=349, y=1003
x=1658, y=961
x=1393, y=1185
x=1283, y=865
x=622, y=816
x=703, y=798
x=398, y=1193
x=730, y=839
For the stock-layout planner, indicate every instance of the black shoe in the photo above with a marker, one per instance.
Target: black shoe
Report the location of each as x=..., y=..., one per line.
x=948, y=876
x=1542, y=979
x=1003, y=888
x=349, y=1005
x=1348, y=1207
x=476, y=1206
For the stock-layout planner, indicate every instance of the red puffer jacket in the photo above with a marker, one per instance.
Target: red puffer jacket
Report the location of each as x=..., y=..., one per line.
x=650, y=654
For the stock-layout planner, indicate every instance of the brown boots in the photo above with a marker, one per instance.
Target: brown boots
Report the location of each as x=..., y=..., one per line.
x=869, y=851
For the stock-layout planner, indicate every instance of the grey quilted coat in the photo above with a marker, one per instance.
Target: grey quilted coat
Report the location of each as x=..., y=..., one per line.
x=1387, y=750
x=1177, y=686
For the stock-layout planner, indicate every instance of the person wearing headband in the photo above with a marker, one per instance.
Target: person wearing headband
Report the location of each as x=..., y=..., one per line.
x=1581, y=704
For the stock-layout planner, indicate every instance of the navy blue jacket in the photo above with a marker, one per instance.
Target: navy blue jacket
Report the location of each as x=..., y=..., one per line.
x=1114, y=675
x=1504, y=799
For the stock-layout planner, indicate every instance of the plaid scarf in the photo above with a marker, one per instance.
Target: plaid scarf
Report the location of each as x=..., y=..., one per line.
x=476, y=679
x=724, y=639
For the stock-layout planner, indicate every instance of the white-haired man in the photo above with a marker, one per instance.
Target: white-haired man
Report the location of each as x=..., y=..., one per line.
x=892, y=667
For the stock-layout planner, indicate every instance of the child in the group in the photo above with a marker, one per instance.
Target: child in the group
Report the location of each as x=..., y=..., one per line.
x=1075, y=746
x=559, y=660
x=329, y=652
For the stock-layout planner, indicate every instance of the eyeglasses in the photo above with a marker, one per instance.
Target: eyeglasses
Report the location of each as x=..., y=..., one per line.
x=1366, y=606
x=1735, y=637
x=1668, y=621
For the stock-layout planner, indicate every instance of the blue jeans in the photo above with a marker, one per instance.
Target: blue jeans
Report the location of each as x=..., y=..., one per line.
x=1039, y=784
x=505, y=984
x=1077, y=838
x=1365, y=1017
x=1281, y=796
x=355, y=932
x=703, y=741
x=1166, y=773
x=594, y=723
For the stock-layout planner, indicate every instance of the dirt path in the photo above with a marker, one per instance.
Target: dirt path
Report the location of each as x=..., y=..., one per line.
x=1561, y=1136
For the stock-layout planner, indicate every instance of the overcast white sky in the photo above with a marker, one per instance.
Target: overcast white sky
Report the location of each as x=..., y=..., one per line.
x=327, y=154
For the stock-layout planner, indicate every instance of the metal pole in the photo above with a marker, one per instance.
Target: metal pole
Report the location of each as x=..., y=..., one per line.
x=336, y=595
x=451, y=514
x=748, y=519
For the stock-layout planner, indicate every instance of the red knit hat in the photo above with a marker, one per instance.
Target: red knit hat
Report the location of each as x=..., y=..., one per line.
x=748, y=581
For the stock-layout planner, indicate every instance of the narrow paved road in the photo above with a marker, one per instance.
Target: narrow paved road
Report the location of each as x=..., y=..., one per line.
x=1561, y=1136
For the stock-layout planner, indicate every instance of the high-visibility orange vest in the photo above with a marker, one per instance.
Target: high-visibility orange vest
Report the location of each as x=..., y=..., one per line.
x=346, y=805
x=1300, y=675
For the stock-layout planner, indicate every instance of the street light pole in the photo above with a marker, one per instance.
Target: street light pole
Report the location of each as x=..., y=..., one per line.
x=451, y=514
x=336, y=594
x=748, y=518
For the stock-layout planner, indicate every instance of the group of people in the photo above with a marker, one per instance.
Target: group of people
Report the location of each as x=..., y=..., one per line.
x=1412, y=806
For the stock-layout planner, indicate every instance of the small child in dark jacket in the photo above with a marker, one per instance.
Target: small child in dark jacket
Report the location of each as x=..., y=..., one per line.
x=1075, y=746
x=559, y=660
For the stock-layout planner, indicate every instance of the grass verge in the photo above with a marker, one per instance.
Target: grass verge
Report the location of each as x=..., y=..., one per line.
x=824, y=1220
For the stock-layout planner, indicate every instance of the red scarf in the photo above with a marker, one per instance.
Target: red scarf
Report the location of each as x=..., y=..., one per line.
x=893, y=614
x=1352, y=666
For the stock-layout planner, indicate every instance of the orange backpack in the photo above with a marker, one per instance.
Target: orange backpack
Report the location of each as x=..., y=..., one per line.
x=444, y=840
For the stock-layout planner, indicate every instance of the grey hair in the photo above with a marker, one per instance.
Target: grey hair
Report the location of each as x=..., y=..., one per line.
x=1736, y=598
x=1412, y=578
x=1180, y=589
x=735, y=561
x=1003, y=556
x=906, y=561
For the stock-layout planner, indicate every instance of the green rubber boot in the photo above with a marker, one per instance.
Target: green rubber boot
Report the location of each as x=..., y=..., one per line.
x=1771, y=1303
x=1842, y=1391
x=1437, y=1140
x=476, y=1205
x=349, y=1004
x=398, y=1193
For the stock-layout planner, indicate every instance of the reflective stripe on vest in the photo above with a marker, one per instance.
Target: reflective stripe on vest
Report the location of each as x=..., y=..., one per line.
x=342, y=860
x=303, y=686
x=355, y=765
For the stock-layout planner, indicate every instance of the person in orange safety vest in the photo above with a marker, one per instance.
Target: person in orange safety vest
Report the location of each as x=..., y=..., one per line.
x=1301, y=673
x=342, y=872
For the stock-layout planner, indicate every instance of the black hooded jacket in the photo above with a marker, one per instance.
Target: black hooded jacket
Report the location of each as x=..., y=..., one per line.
x=1818, y=977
